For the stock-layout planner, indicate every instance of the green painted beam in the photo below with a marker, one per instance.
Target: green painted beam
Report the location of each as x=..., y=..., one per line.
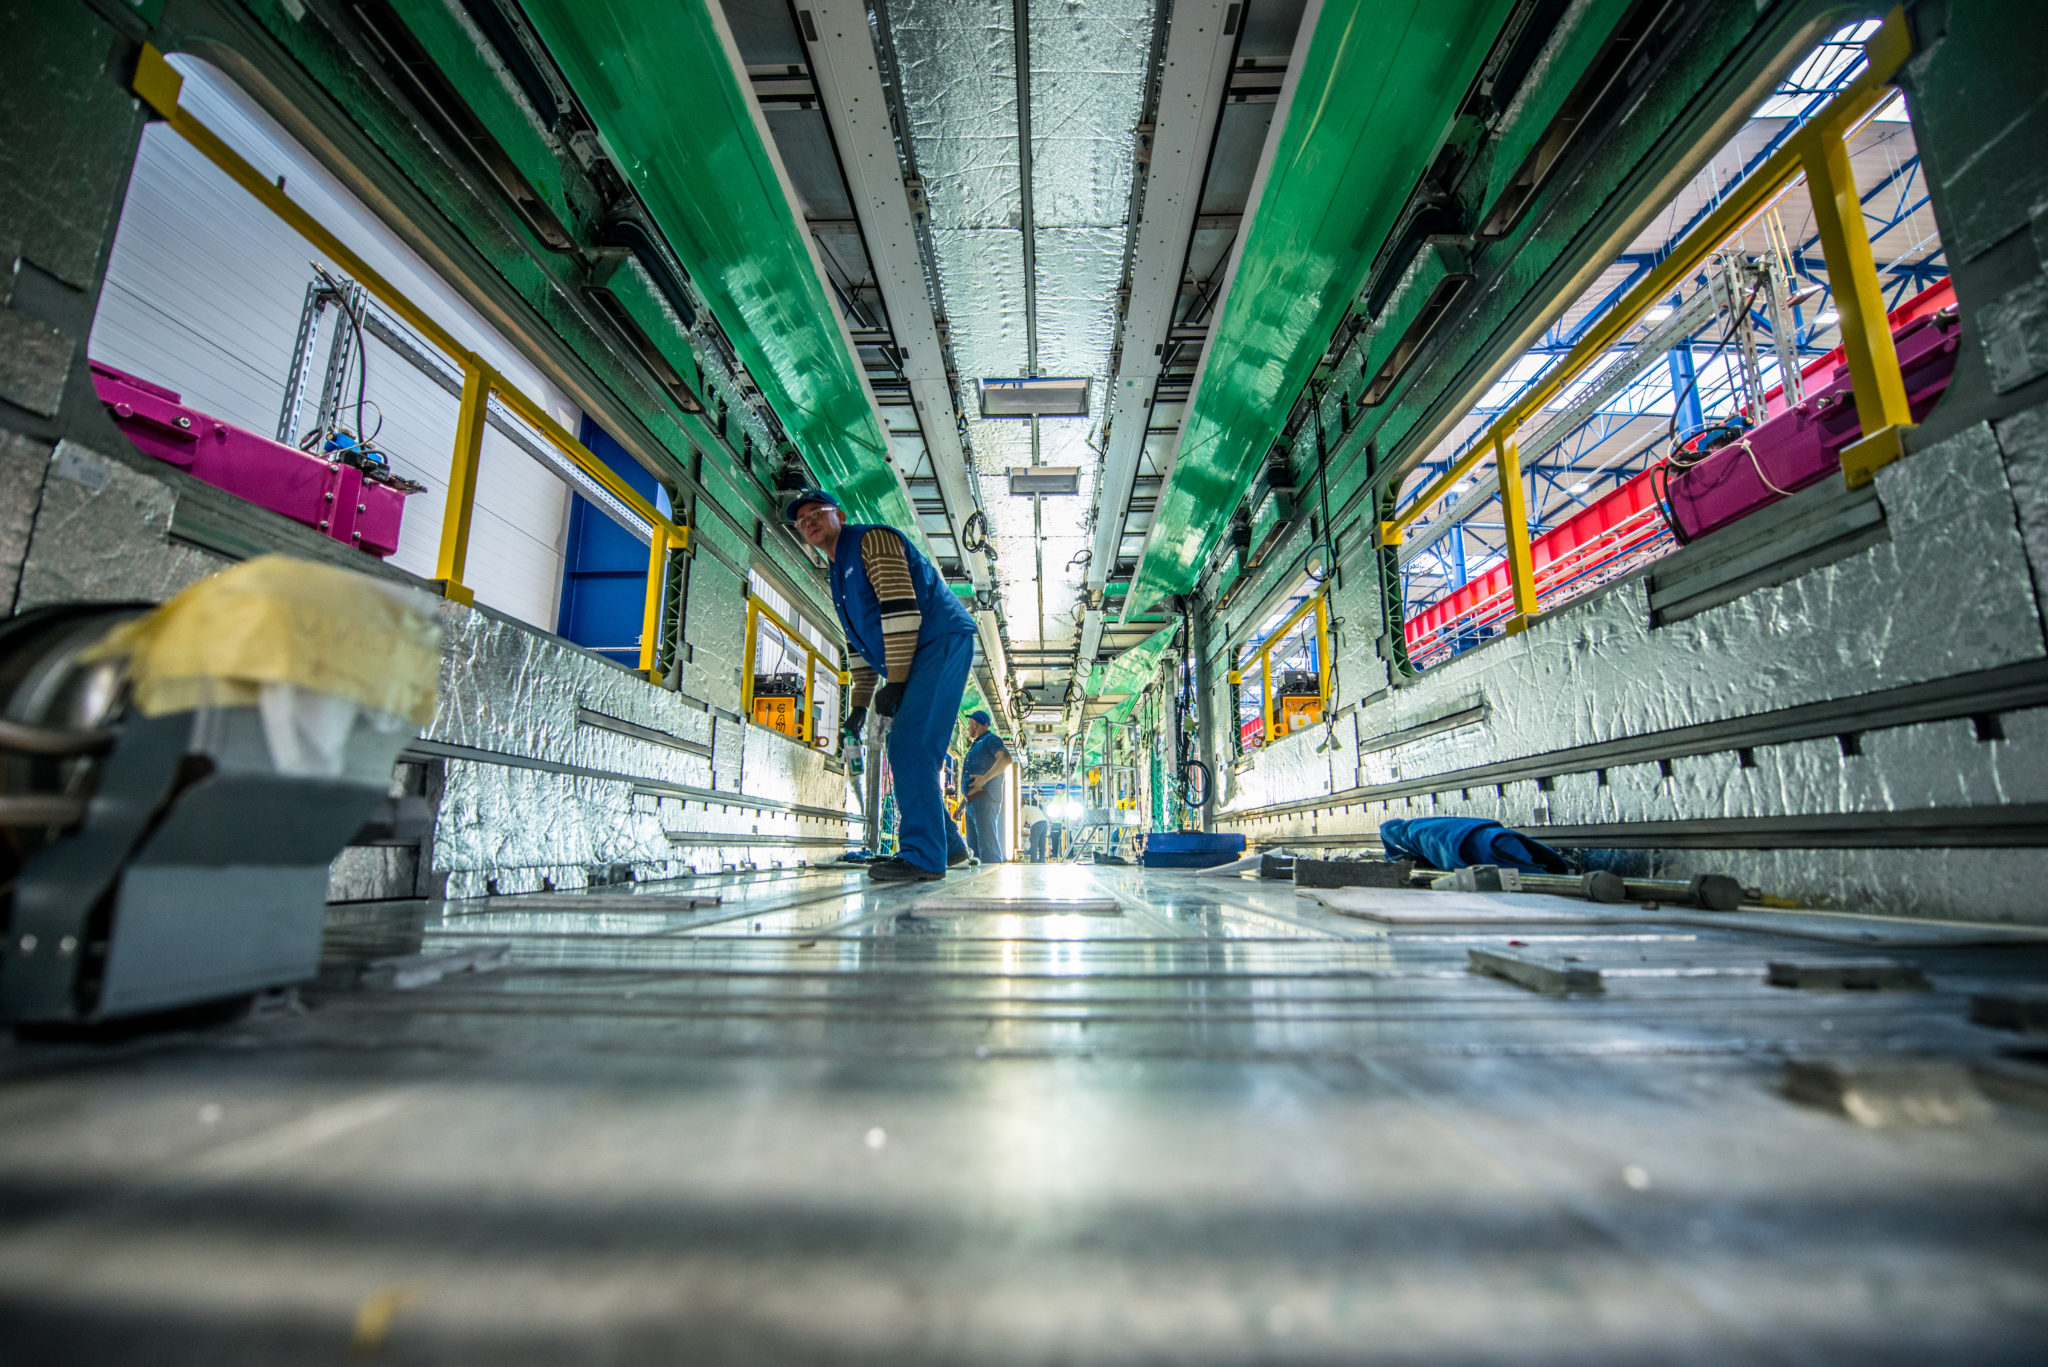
x=1378, y=86
x=660, y=83
x=1133, y=668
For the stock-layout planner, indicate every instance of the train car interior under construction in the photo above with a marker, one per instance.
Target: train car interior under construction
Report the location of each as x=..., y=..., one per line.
x=1024, y=681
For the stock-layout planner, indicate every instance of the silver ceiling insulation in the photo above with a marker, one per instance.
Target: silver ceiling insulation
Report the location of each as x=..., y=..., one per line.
x=958, y=66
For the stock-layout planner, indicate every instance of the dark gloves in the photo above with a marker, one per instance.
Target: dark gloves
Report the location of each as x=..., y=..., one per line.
x=856, y=722
x=890, y=698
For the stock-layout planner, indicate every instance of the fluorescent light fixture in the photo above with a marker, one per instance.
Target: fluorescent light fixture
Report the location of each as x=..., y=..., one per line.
x=1035, y=397
x=1581, y=487
x=1045, y=479
x=1826, y=319
x=1658, y=313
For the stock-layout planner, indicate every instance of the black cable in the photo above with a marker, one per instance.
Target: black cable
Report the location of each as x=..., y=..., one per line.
x=974, y=532
x=1660, y=476
x=1693, y=383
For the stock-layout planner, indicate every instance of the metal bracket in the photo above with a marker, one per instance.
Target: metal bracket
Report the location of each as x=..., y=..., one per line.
x=1862, y=459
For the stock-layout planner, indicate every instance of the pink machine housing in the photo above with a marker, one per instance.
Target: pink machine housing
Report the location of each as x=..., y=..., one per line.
x=1803, y=445
x=330, y=496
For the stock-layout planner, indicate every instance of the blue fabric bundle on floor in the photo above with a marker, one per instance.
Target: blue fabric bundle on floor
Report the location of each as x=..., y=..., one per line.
x=1452, y=842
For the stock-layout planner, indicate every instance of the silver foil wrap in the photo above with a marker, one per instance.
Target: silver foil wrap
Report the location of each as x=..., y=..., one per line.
x=1949, y=592
x=958, y=70
x=510, y=691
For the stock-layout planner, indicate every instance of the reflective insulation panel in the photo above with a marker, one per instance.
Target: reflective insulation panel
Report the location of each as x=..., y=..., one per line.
x=958, y=68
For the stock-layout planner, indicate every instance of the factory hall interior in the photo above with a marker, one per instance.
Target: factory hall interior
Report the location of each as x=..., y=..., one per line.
x=1024, y=682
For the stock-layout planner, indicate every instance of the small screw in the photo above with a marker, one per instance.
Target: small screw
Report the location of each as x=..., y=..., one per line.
x=362, y=507
x=323, y=524
x=67, y=945
x=330, y=495
x=28, y=944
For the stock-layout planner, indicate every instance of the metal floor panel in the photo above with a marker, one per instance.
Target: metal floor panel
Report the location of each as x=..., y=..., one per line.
x=811, y=1124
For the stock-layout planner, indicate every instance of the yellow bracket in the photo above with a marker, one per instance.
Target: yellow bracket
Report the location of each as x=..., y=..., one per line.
x=1863, y=458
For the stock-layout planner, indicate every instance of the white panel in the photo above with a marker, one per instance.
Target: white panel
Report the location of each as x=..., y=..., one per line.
x=203, y=294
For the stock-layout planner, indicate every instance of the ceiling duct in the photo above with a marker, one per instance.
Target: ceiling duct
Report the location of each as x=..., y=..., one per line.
x=1035, y=398
x=1045, y=479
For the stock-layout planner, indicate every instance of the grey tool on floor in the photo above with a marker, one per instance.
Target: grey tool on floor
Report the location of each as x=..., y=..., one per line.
x=418, y=970
x=2022, y=1008
x=1536, y=972
x=1597, y=886
x=1353, y=873
x=1847, y=975
x=1711, y=891
x=1478, y=878
x=1886, y=1091
x=1277, y=866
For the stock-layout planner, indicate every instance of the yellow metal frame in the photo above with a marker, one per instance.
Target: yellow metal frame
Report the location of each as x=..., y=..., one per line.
x=158, y=83
x=1320, y=606
x=813, y=659
x=1819, y=151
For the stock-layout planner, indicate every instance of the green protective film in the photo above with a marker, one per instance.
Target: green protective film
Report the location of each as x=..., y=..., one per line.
x=1132, y=670
x=656, y=77
x=1379, y=84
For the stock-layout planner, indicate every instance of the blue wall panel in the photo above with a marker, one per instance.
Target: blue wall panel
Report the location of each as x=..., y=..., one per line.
x=604, y=570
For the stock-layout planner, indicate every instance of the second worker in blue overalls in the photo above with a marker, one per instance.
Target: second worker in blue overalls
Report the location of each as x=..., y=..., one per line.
x=913, y=638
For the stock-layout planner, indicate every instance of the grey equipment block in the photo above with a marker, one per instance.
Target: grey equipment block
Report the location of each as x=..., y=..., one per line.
x=1847, y=975
x=1883, y=1092
x=1534, y=972
x=2024, y=1009
x=1479, y=878
x=1276, y=866
x=1352, y=873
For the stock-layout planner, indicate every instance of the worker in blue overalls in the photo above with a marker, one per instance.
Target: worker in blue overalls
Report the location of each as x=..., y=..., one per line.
x=982, y=772
x=914, y=640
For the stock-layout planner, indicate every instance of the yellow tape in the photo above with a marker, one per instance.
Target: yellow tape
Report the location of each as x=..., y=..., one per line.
x=279, y=620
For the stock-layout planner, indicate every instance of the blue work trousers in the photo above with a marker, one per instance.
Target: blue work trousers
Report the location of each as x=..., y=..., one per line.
x=985, y=824
x=1039, y=831
x=918, y=736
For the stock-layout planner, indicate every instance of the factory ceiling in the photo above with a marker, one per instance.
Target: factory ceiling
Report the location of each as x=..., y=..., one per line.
x=909, y=198
x=1070, y=180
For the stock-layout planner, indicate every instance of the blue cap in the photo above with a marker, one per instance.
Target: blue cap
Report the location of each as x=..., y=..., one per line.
x=978, y=715
x=796, y=505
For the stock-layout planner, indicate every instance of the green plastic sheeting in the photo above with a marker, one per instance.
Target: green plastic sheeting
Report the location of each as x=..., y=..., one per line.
x=1131, y=670
x=1379, y=84
x=656, y=78
x=1095, y=731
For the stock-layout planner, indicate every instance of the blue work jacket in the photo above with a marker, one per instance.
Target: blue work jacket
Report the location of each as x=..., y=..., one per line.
x=981, y=757
x=860, y=612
